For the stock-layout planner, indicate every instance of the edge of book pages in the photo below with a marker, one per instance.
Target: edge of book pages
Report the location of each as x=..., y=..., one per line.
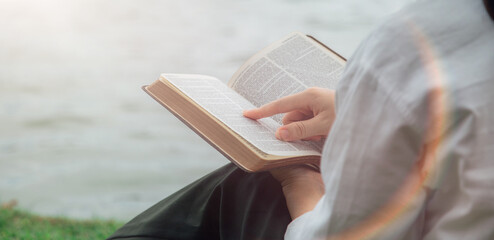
x=324, y=45
x=252, y=160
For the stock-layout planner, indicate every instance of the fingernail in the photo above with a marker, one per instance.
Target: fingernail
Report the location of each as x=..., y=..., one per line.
x=284, y=134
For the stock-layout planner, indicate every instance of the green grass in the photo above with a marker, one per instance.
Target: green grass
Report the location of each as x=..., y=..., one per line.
x=17, y=224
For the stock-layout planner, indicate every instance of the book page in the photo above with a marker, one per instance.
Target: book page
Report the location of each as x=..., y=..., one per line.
x=227, y=106
x=286, y=67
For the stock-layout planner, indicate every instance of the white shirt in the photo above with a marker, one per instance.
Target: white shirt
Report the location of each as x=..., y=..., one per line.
x=411, y=152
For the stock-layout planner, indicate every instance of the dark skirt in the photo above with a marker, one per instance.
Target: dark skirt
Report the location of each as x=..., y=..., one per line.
x=225, y=204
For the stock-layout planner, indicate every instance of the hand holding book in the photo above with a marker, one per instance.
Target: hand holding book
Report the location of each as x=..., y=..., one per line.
x=302, y=186
x=308, y=114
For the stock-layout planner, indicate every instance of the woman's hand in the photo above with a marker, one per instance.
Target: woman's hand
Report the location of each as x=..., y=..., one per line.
x=309, y=114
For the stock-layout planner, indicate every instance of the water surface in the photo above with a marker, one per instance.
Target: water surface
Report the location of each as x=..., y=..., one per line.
x=79, y=138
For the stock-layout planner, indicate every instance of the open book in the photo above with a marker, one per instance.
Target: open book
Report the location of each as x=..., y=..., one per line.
x=214, y=110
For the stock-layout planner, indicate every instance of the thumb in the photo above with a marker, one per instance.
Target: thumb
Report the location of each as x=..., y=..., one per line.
x=300, y=130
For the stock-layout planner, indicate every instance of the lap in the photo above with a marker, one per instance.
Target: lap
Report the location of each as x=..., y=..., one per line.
x=225, y=204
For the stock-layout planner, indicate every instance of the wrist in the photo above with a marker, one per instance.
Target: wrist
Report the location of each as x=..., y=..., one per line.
x=303, y=194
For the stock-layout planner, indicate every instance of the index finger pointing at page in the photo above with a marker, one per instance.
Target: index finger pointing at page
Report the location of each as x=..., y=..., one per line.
x=282, y=105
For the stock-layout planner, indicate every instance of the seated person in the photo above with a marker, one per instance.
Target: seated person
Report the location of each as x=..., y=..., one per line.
x=408, y=155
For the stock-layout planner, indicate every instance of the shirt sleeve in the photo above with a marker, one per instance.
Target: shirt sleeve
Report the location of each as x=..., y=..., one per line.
x=369, y=158
x=372, y=159
x=371, y=155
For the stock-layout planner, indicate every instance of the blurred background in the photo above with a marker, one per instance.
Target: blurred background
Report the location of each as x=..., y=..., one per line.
x=79, y=138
